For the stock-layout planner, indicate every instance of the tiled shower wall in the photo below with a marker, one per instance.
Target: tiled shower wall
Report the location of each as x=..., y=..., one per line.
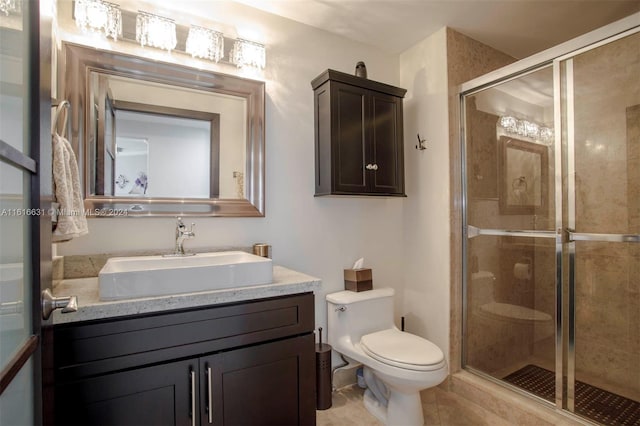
x=607, y=138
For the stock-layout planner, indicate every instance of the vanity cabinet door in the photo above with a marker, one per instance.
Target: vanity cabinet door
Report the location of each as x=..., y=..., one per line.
x=268, y=384
x=158, y=395
x=386, y=144
x=350, y=134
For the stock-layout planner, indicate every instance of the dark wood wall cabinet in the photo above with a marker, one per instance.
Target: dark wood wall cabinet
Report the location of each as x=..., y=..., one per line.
x=358, y=136
x=248, y=363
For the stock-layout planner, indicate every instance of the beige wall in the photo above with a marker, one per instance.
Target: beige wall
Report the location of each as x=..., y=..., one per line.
x=425, y=296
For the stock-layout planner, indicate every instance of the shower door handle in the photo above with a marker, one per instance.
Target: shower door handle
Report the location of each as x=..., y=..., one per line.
x=473, y=231
x=607, y=238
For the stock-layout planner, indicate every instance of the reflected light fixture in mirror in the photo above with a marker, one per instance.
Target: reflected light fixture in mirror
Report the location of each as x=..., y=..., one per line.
x=527, y=129
x=156, y=31
x=248, y=54
x=10, y=6
x=205, y=43
x=98, y=16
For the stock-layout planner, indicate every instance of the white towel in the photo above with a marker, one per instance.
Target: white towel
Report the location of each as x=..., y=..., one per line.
x=72, y=221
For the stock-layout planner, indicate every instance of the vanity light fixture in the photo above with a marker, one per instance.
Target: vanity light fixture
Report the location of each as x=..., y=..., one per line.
x=205, y=43
x=155, y=31
x=163, y=33
x=97, y=16
x=527, y=129
x=248, y=54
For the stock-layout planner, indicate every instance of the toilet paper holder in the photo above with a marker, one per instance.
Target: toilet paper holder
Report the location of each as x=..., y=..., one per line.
x=522, y=269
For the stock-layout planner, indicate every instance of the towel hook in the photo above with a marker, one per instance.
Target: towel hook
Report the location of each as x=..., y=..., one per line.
x=62, y=106
x=421, y=143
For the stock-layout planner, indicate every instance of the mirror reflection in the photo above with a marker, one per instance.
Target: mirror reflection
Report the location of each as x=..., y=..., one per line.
x=157, y=140
x=132, y=159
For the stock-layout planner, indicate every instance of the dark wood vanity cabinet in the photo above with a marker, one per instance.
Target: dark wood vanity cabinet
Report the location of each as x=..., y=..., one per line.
x=358, y=136
x=155, y=395
x=250, y=363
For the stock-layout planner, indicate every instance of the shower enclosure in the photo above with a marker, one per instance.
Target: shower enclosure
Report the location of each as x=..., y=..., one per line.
x=551, y=212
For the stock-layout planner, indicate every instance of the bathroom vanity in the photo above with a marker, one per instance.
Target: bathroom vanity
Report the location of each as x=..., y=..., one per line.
x=233, y=356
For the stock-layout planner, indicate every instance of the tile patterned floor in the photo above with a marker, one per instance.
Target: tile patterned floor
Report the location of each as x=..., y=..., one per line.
x=440, y=408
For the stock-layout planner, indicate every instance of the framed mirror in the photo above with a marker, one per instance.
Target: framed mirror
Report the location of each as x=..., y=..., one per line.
x=523, y=176
x=160, y=139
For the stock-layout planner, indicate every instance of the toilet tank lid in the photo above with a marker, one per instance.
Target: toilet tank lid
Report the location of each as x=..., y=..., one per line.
x=346, y=297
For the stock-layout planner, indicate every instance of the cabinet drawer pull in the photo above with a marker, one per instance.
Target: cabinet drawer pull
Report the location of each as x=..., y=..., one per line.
x=209, y=394
x=193, y=397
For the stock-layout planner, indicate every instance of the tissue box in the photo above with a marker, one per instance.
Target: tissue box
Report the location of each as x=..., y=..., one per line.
x=358, y=279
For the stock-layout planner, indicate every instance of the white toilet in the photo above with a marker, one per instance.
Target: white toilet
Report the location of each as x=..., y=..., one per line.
x=397, y=365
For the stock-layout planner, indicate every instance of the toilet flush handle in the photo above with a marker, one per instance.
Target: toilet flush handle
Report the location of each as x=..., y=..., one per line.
x=341, y=308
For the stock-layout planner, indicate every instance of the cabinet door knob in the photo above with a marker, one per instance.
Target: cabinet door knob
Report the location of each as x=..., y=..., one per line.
x=374, y=167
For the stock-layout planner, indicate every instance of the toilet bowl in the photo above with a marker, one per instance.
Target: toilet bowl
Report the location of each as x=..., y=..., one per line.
x=504, y=319
x=483, y=302
x=397, y=365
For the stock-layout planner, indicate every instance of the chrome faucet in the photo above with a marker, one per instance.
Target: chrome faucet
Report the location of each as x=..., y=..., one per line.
x=182, y=233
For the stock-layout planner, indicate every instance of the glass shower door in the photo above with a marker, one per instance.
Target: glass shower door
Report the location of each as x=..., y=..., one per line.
x=601, y=108
x=510, y=308
x=552, y=230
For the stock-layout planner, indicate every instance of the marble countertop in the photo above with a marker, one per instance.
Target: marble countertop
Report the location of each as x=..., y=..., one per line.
x=90, y=307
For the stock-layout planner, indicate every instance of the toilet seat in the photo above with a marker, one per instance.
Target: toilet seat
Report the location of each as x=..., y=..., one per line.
x=403, y=350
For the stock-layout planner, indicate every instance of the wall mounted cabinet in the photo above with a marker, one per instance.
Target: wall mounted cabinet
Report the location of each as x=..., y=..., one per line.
x=358, y=136
x=242, y=363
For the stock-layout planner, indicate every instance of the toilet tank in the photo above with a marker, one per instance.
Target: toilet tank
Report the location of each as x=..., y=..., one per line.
x=355, y=314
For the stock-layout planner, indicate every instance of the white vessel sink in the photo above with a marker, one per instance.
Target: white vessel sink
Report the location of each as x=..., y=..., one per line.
x=146, y=276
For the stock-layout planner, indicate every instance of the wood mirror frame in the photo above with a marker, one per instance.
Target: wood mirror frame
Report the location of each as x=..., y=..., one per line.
x=523, y=184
